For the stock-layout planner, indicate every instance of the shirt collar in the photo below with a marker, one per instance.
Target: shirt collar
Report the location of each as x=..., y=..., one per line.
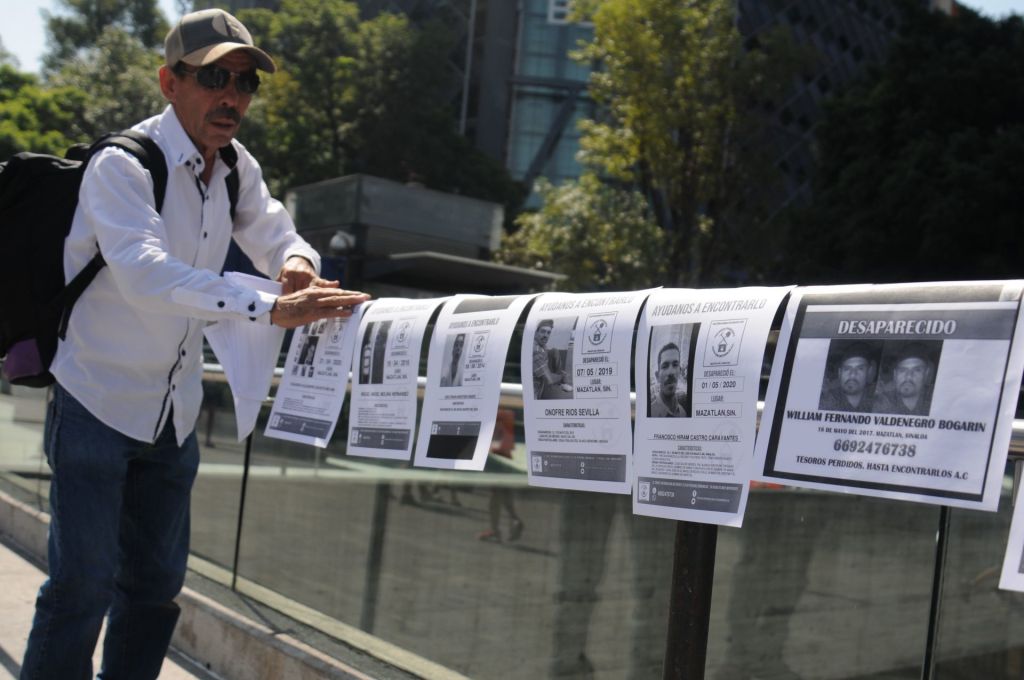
x=182, y=151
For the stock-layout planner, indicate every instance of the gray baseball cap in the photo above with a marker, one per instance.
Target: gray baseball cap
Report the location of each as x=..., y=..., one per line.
x=201, y=38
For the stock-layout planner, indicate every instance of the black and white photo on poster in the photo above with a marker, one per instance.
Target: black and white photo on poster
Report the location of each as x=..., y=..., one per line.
x=454, y=347
x=669, y=379
x=900, y=391
x=880, y=376
x=373, y=353
x=553, y=357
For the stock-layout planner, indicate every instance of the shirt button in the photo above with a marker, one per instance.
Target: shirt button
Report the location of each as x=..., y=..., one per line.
x=252, y=318
x=220, y=303
x=173, y=387
x=182, y=352
x=205, y=234
x=252, y=306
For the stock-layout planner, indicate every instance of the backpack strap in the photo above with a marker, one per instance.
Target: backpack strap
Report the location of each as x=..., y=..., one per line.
x=148, y=153
x=153, y=160
x=67, y=298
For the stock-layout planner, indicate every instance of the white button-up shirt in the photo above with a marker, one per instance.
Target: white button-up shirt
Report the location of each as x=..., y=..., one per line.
x=134, y=342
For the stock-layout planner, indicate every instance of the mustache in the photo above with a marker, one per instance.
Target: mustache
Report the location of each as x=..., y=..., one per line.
x=225, y=112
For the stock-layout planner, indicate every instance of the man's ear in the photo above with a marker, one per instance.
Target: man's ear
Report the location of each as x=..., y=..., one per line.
x=168, y=83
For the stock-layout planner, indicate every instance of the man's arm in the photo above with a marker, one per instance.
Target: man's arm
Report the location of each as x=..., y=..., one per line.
x=132, y=237
x=312, y=303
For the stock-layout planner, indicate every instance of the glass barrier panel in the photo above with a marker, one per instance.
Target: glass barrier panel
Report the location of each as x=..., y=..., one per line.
x=218, y=486
x=981, y=632
x=822, y=585
x=472, y=570
x=24, y=473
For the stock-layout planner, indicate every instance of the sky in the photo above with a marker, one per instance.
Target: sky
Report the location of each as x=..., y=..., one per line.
x=21, y=24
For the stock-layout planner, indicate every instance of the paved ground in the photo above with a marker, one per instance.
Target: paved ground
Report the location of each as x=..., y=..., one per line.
x=815, y=585
x=21, y=579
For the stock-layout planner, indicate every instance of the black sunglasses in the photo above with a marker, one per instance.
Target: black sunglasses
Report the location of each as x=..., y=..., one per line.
x=213, y=77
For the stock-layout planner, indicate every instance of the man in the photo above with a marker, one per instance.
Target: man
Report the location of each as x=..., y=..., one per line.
x=120, y=430
x=452, y=377
x=547, y=384
x=911, y=385
x=665, y=403
x=855, y=381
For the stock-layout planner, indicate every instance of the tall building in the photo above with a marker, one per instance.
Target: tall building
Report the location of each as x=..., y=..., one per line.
x=519, y=96
x=527, y=94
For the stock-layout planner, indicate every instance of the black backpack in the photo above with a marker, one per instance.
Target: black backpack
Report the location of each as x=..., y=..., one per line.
x=38, y=197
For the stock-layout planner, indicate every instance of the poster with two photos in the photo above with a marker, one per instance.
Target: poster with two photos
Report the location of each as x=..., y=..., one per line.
x=903, y=391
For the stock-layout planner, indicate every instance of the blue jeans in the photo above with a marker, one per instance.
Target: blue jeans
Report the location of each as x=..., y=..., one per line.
x=119, y=529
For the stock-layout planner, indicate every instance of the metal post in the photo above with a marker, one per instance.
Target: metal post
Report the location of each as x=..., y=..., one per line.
x=241, y=510
x=941, y=547
x=374, y=557
x=467, y=75
x=689, y=614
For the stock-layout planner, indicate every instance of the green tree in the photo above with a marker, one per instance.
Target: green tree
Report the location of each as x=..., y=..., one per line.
x=920, y=169
x=119, y=77
x=6, y=57
x=677, y=90
x=37, y=118
x=83, y=22
x=600, y=236
x=360, y=96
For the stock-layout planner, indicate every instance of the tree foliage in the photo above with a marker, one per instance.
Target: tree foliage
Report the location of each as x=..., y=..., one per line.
x=360, y=96
x=920, y=171
x=7, y=57
x=677, y=89
x=600, y=236
x=37, y=118
x=119, y=77
x=83, y=22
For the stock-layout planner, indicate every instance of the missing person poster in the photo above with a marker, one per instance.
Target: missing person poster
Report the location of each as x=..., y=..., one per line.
x=576, y=359
x=699, y=355
x=900, y=391
x=464, y=367
x=312, y=390
x=382, y=416
x=1013, y=563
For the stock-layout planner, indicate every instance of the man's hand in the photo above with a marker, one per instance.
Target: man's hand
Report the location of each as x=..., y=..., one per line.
x=297, y=274
x=314, y=303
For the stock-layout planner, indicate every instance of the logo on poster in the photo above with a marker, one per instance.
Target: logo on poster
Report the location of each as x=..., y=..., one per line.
x=599, y=333
x=724, y=341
